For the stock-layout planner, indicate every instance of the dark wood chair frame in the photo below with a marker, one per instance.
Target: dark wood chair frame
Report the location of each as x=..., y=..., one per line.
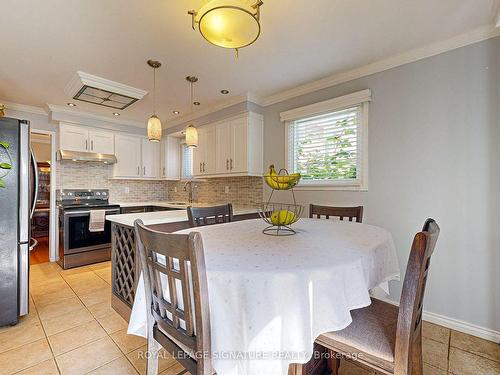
x=340, y=212
x=408, y=344
x=187, y=249
x=200, y=216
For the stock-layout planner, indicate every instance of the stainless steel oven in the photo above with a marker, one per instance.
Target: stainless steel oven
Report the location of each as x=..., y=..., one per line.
x=78, y=245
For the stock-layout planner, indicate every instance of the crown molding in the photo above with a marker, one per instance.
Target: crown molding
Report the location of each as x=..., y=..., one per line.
x=81, y=79
x=60, y=110
x=217, y=106
x=23, y=108
x=462, y=40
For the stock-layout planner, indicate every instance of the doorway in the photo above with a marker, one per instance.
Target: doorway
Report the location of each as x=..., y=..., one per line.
x=41, y=145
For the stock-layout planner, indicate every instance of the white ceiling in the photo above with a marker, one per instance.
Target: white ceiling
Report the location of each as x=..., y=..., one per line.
x=44, y=43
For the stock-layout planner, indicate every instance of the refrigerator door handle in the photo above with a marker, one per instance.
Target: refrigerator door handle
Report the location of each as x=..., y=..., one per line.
x=35, y=182
x=24, y=265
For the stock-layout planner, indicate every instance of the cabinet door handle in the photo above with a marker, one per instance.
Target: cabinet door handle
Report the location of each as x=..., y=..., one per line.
x=227, y=164
x=86, y=144
x=138, y=171
x=203, y=167
x=163, y=171
x=144, y=170
x=231, y=164
x=92, y=145
x=200, y=168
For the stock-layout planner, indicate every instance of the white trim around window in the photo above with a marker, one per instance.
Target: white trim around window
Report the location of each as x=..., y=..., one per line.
x=358, y=99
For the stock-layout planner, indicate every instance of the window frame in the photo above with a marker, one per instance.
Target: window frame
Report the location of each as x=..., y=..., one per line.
x=360, y=98
x=183, y=177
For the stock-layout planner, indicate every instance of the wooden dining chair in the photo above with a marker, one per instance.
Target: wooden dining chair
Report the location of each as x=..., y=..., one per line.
x=340, y=212
x=200, y=216
x=175, y=280
x=382, y=336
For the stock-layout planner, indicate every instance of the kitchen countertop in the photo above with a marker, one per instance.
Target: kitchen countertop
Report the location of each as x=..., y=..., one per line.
x=164, y=217
x=170, y=204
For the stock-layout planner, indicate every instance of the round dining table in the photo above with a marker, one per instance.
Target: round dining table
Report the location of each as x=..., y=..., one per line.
x=271, y=296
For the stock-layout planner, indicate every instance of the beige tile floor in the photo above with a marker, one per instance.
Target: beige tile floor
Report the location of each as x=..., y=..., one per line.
x=72, y=329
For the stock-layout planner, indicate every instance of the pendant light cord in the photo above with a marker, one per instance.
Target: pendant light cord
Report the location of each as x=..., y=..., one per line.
x=154, y=91
x=192, y=95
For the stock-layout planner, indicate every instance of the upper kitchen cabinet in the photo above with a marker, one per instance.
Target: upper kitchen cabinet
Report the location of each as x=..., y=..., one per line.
x=204, y=159
x=73, y=138
x=170, y=158
x=85, y=139
x=239, y=146
x=137, y=157
x=102, y=142
x=128, y=156
x=150, y=159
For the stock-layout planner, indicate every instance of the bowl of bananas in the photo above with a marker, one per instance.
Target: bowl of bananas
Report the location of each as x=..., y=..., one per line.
x=281, y=180
x=280, y=216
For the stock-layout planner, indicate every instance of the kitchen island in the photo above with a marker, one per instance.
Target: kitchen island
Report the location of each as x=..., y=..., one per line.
x=125, y=269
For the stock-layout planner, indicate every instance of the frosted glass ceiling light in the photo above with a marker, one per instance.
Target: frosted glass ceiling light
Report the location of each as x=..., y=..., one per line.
x=228, y=23
x=154, y=123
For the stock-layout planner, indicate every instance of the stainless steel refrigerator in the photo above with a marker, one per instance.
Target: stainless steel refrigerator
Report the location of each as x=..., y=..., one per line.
x=18, y=189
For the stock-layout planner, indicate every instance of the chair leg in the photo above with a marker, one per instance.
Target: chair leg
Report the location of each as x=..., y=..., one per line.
x=333, y=363
x=153, y=351
x=417, y=366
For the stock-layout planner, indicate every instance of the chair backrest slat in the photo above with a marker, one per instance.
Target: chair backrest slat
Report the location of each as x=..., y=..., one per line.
x=173, y=268
x=340, y=212
x=409, y=326
x=200, y=216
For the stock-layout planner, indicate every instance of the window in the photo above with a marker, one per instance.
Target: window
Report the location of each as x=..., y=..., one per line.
x=327, y=143
x=187, y=162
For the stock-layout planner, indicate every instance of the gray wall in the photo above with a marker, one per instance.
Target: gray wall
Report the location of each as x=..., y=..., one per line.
x=433, y=141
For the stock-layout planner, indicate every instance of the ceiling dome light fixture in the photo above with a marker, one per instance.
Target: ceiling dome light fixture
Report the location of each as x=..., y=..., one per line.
x=191, y=131
x=230, y=24
x=154, y=123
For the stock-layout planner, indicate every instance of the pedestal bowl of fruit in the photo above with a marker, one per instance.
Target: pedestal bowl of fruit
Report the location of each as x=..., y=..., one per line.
x=280, y=216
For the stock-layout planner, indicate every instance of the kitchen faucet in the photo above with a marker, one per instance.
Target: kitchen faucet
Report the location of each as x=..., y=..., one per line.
x=190, y=191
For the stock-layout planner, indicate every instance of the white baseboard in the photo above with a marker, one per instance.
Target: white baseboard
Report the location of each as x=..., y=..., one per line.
x=457, y=325
x=461, y=326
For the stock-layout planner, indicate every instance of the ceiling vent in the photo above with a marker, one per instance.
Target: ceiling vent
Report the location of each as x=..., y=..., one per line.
x=101, y=91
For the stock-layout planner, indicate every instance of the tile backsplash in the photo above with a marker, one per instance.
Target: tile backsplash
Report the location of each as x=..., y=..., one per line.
x=88, y=175
x=241, y=191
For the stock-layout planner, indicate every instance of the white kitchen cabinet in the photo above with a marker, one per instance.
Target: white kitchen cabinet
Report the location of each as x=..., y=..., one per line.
x=239, y=146
x=204, y=159
x=128, y=156
x=85, y=139
x=223, y=147
x=150, y=158
x=170, y=158
x=73, y=138
x=102, y=142
x=238, y=162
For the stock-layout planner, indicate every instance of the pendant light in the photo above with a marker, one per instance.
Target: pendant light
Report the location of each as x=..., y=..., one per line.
x=191, y=131
x=228, y=23
x=154, y=123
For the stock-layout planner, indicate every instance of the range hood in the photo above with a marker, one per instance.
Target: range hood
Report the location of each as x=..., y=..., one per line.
x=86, y=156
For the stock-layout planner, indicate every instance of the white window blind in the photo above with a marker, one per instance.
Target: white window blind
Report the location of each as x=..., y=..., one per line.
x=326, y=149
x=187, y=162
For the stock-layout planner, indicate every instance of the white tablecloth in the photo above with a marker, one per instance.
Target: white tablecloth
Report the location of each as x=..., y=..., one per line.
x=270, y=297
